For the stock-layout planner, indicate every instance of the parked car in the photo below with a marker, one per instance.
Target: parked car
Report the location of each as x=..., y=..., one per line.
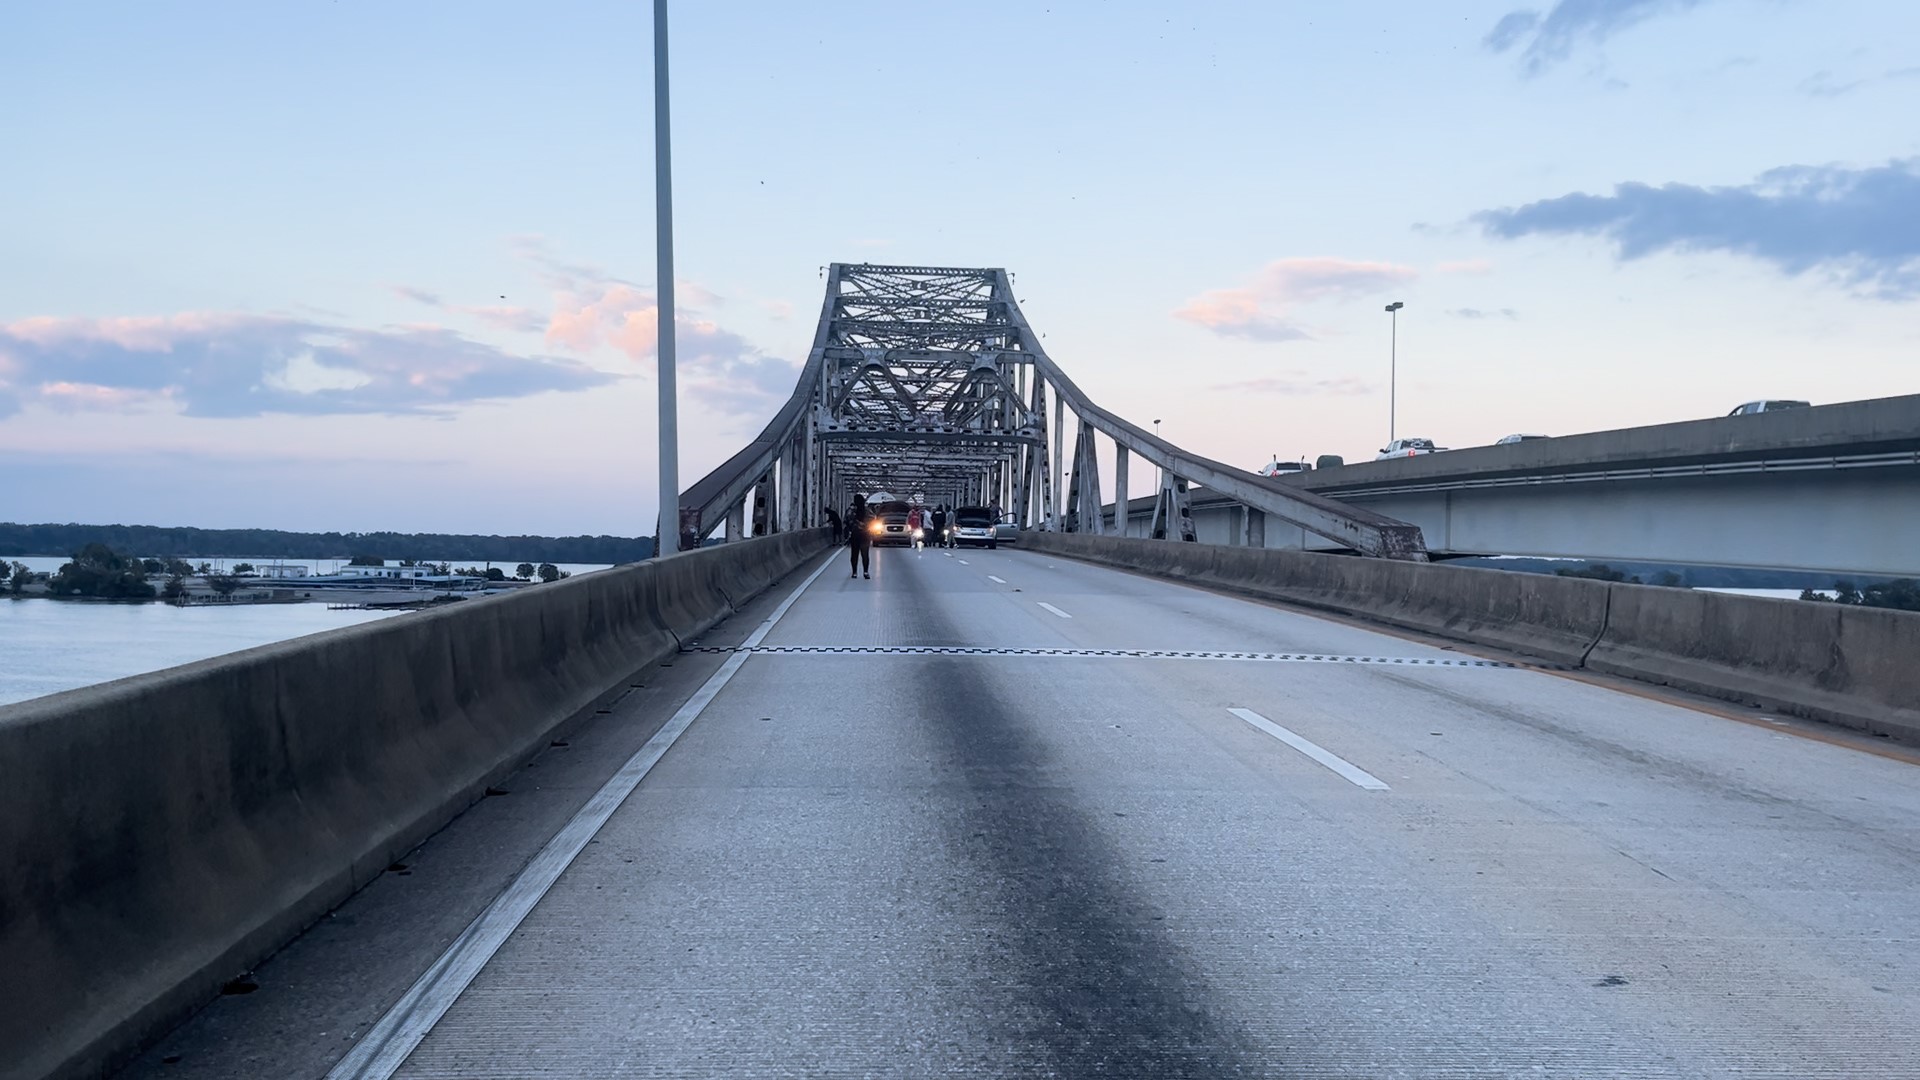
x=1509, y=440
x=1408, y=448
x=973, y=526
x=1276, y=467
x=1752, y=407
x=1008, y=530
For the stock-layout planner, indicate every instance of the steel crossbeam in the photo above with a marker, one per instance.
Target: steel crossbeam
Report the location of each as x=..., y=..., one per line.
x=927, y=383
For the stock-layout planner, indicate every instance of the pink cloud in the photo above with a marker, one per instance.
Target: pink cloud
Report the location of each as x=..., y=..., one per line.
x=71, y=396
x=592, y=309
x=719, y=367
x=1261, y=311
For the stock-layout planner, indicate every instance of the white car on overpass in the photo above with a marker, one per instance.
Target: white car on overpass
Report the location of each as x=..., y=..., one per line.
x=1752, y=407
x=1399, y=448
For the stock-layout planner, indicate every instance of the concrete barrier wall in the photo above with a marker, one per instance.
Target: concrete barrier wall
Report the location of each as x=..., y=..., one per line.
x=164, y=833
x=1554, y=618
x=1852, y=666
x=1856, y=667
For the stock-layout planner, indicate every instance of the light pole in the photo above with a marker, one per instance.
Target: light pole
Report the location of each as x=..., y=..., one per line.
x=1393, y=365
x=668, y=533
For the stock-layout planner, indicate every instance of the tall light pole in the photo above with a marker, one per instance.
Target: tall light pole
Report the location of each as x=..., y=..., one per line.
x=668, y=535
x=1393, y=365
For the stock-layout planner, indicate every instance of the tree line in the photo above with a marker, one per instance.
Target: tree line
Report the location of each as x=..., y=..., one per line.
x=162, y=542
x=97, y=570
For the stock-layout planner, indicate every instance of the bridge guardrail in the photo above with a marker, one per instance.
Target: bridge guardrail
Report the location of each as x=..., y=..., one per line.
x=163, y=833
x=1849, y=666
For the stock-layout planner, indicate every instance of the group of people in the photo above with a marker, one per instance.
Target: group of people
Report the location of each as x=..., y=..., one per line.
x=925, y=526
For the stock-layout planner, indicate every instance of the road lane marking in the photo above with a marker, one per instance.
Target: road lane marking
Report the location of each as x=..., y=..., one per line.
x=1000, y=580
x=1356, y=775
x=1111, y=654
x=964, y=562
x=1055, y=610
x=390, y=1041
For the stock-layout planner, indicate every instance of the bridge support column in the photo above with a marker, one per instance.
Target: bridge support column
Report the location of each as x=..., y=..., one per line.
x=766, y=494
x=793, y=488
x=1256, y=528
x=1172, y=512
x=1057, y=466
x=1120, y=521
x=737, y=522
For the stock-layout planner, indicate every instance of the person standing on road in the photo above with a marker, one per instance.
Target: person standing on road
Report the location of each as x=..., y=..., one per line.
x=940, y=537
x=859, y=540
x=916, y=526
x=833, y=522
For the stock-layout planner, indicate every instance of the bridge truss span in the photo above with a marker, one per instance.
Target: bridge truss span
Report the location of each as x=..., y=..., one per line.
x=928, y=384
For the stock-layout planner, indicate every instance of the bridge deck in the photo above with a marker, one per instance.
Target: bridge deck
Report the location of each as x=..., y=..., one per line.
x=988, y=813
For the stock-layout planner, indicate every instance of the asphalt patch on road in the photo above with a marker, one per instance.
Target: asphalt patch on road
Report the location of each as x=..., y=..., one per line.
x=1106, y=993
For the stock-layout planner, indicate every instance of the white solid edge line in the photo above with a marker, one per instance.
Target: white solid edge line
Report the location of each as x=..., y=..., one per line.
x=1358, y=776
x=1055, y=610
x=1001, y=580
x=389, y=1042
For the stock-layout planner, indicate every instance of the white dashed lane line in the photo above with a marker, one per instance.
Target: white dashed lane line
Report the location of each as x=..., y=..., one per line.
x=996, y=580
x=1055, y=610
x=1354, y=774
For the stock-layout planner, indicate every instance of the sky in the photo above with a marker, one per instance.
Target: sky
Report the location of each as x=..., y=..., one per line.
x=361, y=265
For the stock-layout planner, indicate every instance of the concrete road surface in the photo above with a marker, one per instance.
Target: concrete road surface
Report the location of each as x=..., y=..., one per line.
x=1004, y=814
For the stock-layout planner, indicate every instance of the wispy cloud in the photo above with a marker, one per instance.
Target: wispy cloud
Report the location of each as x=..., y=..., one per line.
x=1477, y=313
x=515, y=319
x=595, y=310
x=1298, y=383
x=232, y=365
x=1861, y=225
x=1824, y=84
x=1262, y=310
x=1544, y=40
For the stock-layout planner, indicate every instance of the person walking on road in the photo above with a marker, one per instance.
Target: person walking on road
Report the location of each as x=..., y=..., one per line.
x=940, y=536
x=916, y=526
x=859, y=541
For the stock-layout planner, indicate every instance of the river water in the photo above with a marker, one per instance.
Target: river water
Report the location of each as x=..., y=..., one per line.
x=47, y=646
x=51, y=645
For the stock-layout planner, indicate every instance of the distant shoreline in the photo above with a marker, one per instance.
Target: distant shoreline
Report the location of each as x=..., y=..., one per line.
x=156, y=541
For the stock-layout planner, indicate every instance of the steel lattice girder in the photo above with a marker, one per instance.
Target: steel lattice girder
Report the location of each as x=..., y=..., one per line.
x=929, y=380
x=920, y=389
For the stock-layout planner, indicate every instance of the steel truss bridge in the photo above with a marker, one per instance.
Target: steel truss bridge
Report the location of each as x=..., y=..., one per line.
x=928, y=382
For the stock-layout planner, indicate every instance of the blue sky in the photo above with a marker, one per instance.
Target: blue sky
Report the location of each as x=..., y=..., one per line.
x=378, y=266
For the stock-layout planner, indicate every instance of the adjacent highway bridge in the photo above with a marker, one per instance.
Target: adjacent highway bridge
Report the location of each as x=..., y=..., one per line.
x=1096, y=805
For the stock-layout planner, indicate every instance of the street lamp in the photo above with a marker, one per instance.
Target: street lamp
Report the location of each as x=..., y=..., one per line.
x=667, y=536
x=1393, y=365
x=1156, y=429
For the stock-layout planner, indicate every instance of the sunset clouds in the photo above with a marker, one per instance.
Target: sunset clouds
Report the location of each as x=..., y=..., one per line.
x=1264, y=309
x=226, y=364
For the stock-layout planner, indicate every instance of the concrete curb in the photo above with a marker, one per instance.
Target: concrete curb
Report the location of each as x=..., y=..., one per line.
x=162, y=834
x=1852, y=667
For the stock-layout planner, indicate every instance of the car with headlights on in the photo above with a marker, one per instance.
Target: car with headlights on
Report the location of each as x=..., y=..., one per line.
x=888, y=525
